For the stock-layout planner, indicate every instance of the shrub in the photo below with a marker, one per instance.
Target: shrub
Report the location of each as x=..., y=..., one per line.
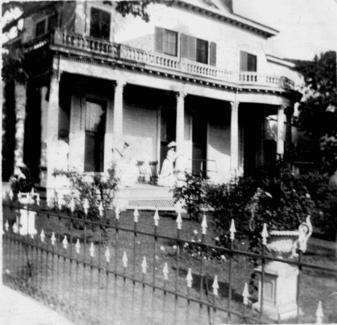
x=97, y=189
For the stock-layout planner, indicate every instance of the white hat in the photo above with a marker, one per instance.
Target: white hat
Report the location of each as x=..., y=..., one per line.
x=172, y=144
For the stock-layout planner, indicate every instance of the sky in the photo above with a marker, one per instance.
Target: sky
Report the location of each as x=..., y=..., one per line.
x=307, y=27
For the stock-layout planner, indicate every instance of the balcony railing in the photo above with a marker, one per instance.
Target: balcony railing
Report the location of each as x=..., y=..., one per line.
x=167, y=63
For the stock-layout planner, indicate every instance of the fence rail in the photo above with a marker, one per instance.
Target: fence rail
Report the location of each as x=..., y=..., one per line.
x=113, y=268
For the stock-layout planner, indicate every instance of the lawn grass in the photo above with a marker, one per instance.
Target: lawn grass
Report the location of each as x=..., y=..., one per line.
x=107, y=298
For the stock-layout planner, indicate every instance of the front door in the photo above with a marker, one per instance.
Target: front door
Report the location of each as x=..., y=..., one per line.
x=199, y=140
x=168, y=131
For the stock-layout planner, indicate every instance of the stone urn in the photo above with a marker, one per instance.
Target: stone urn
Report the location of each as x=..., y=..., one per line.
x=279, y=289
x=282, y=243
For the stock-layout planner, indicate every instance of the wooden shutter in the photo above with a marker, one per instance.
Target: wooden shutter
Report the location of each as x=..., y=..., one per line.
x=212, y=56
x=94, y=22
x=188, y=47
x=159, y=36
x=243, y=61
x=105, y=25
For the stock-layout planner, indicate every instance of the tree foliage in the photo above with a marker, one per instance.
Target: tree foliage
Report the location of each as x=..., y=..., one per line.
x=318, y=111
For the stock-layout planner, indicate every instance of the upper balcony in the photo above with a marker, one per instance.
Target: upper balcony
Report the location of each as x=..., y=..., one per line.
x=152, y=61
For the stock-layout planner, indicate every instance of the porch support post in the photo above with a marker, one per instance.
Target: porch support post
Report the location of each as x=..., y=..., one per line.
x=20, y=112
x=180, y=132
x=52, y=132
x=118, y=112
x=234, y=137
x=280, y=132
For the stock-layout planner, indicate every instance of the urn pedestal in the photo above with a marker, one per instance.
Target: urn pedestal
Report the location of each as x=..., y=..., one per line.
x=26, y=218
x=280, y=279
x=279, y=290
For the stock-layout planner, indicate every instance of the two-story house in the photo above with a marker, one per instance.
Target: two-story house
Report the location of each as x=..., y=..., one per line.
x=196, y=73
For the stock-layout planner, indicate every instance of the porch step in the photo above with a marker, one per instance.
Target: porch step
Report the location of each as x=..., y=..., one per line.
x=157, y=204
x=147, y=197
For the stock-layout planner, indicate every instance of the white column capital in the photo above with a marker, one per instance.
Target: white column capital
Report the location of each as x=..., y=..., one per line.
x=120, y=84
x=234, y=104
x=181, y=95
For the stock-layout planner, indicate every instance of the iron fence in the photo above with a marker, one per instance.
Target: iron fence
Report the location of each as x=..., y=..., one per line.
x=119, y=269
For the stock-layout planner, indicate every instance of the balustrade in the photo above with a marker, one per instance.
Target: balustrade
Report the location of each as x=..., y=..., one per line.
x=152, y=59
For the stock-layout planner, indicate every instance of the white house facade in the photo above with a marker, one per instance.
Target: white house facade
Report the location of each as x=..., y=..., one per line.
x=196, y=73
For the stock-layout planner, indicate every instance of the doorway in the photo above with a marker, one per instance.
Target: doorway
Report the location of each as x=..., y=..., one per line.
x=199, y=143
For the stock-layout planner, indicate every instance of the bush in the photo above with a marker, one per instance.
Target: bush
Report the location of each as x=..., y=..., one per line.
x=275, y=197
x=97, y=189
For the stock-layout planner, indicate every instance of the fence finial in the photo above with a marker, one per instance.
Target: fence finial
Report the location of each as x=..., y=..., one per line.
x=319, y=313
x=144, y=265
x=165, y=271
x=232, y=230
x=215, y=285
x=107, y=255
x=86, y=206
x=135, y=215
x=156, y=218
x=117, y=212
x=92, y=250
x=60, y=202
x=204, y=224
x=38, y=199
x=65, y=242
x=42, y=236
x=125, y=260
x=53, y=239
x=101, y=209
x=11, y=195
x=179, y=220
x=15, y=228
x=245, y=294
x=264, y=234
x=72, y=205
x=77, y=246
x=6, y=225
x=189, y=278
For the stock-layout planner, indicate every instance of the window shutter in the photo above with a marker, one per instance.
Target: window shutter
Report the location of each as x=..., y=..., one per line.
x=243, y=61
x=159, y=33
x=188, y=47
x=105, y=25
x=212, y=49
x=252, y=63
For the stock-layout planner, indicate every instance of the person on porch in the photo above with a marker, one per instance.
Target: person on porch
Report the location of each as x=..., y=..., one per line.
x=166, y=176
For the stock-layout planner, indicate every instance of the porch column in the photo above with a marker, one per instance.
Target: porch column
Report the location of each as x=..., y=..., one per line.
x=20, y=112
x=280, y=132
x=52, y=132
x=180, y=132
x=118, y=112
x=234, y=137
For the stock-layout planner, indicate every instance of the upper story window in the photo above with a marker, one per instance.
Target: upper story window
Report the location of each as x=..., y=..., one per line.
x=100, y=23
x=41, y=27
x=166, y=41
x=198, y=50
x=248, y=62
x=45, y=25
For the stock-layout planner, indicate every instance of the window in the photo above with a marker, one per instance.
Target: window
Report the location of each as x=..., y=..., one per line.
x=94, y=135
x=248, y=62
x=166, y=41
x=198, y=50
x=40, y=28
x=99, y=24
x=52, y=22
x=202, y=51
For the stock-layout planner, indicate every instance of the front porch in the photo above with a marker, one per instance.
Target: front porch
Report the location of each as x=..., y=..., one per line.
x=214, y=137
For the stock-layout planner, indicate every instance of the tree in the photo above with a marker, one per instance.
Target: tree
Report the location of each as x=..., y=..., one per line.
x=318, y=111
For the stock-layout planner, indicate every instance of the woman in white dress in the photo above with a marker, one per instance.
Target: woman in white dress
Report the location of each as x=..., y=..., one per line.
x=166, y=176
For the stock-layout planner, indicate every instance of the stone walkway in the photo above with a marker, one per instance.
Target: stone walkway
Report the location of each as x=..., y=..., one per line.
x=17, y=309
